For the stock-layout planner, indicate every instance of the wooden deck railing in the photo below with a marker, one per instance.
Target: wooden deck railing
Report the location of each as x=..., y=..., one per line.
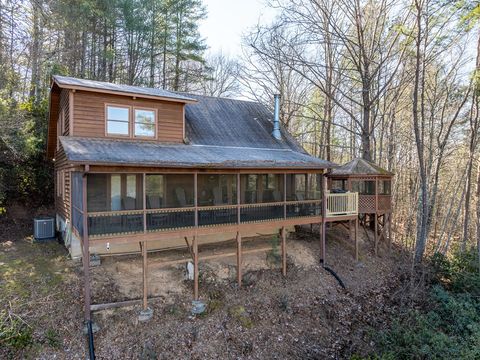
x=150, y=220
x=342, y=204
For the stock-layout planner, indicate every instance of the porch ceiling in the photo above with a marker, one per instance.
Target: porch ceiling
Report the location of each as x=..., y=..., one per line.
x=141, y=153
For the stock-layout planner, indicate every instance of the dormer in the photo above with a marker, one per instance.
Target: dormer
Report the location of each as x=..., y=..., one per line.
x=95, y=109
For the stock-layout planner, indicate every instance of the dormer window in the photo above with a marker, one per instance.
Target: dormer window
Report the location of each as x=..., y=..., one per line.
x=118, y=120
x=128, y=121
x=144, y=123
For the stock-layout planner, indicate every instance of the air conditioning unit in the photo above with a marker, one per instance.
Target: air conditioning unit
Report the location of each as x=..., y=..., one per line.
x=43, y=228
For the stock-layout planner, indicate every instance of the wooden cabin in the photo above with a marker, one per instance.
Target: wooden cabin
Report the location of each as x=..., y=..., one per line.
x=140, y=169
x=374, y=187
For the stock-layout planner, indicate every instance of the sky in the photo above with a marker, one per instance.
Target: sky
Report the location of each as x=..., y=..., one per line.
x=227, y=20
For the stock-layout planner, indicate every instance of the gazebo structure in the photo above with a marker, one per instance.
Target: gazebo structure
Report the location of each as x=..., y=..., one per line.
x=374, y=187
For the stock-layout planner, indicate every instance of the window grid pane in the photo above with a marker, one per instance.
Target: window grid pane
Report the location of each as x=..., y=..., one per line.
x=117, y=113
x=144, y=123
x=117, y=127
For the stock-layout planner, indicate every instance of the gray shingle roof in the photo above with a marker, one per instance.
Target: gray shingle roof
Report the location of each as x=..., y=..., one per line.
x=142, y=153
x=100, y=85
x=229, y=122
x=360, y=166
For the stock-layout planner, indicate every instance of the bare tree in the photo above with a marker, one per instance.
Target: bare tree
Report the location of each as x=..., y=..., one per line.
x=222, y=78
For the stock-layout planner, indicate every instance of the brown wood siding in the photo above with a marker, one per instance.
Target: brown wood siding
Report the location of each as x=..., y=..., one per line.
x=65, y=108
x=62, y=206
x=52, y=125
x=89, y=115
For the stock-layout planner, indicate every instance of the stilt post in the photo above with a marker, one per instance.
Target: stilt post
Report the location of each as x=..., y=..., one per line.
x=284, y=251
x=239, y=259
x=323, y=223
x=356, y=239
x=143, y=246
x=195, y=238
x=195, y=267
x=86, y=248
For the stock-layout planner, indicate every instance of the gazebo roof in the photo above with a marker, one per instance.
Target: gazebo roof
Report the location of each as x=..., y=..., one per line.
x=360, y=166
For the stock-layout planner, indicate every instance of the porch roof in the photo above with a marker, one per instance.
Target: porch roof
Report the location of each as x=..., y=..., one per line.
x=103, y=151
x=360, y=166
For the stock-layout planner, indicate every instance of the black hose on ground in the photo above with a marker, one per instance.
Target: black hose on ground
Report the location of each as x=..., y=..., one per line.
x=91, y=348
x=335, y=276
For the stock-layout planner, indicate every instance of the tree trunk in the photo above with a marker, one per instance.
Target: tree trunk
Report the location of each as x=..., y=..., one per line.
x=478, y=216
x=35, y=50
x=422, y=214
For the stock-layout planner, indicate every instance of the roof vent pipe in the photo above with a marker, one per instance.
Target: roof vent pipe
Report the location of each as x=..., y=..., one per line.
x=276, y=118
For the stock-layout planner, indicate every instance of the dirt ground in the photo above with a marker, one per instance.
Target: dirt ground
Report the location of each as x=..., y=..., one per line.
x=306, y=315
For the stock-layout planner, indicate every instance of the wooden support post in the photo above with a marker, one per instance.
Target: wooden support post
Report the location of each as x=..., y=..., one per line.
x=389, y=224
x=86, y=249
x=356, y=239
x=195, y=239
x=284, y=251
x=323, y=227
x=195, y=267
x=143, y=246
x=375, y=217
x=239, y=259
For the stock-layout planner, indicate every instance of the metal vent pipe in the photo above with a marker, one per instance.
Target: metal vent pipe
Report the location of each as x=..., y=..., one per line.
x=276, y=118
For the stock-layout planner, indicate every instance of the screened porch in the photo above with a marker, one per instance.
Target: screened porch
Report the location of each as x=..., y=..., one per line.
x=375, y=193
x=130, y=203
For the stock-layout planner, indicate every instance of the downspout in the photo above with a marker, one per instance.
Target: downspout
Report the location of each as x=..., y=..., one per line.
x=276, y=118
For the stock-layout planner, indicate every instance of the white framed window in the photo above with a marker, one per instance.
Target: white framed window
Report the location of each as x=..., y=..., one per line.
x=144, y=123
x=118, y=120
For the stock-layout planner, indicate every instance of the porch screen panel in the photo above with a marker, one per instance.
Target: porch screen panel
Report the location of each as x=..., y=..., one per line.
x=364, y=187
x=339, y=185
x=169, y=190
x=115, y=223
x=114, y=203
x=261, y=188
x=301, y=187
x=314, y=187
x=114, y=192
x=77, y=201
x=301, y=190
x=216, y=190
x=384, y=187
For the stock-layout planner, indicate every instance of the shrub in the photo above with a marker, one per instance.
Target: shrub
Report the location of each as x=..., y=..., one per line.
x=448, y=326
x=14, y=332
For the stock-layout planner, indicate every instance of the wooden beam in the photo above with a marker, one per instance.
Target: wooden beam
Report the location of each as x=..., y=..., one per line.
x=390, y=231
x=284, y=251
x=205, y=230
x=376, y=217
x=323, y=229
x=356, y=239
x=195, y=267
x=117, y=304
x=86, y=250
x=189, y=247
x=239, y=259
x=143, y=246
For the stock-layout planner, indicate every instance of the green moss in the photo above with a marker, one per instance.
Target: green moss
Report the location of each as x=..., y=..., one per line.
x=274, y=258
x=241, y=316
x=53, y=339
x=14, y=332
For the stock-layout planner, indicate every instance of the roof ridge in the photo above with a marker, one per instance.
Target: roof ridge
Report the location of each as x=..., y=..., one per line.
x=187, y=93
x=117, y=87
